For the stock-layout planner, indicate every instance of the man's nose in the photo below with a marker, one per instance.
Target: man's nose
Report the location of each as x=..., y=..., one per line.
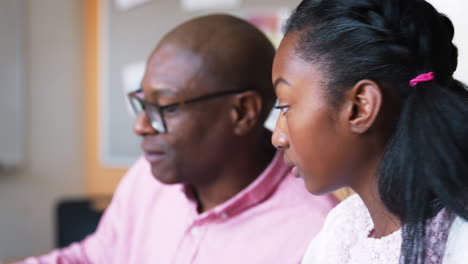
x=142, y=125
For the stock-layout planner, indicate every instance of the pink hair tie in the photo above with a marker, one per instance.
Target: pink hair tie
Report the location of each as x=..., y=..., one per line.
x=425, y=77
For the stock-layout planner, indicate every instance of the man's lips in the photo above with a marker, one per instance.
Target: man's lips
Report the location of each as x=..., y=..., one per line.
x=153, y=157
x=152, y=153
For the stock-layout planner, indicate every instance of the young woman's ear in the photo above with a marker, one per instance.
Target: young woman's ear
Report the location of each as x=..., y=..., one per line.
x=364, y=105
x=246, y=112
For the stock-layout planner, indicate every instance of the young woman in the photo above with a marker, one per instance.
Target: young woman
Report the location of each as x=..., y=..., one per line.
x=368, y=101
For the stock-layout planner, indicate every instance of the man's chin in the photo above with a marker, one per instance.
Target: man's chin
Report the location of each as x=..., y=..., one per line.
x=165, y=177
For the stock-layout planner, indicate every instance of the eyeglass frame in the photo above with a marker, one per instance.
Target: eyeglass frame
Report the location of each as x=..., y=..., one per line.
x=162, y=108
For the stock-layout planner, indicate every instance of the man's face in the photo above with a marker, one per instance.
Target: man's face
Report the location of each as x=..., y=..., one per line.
x=193, y=145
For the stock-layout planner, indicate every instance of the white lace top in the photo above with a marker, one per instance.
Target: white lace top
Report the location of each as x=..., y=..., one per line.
x=345, y=239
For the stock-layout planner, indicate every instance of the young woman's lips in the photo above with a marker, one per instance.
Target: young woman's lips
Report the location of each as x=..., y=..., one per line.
x=295, y=172
x=153, y=157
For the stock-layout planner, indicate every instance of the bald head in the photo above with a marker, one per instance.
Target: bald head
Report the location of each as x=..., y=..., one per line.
x=234, y=54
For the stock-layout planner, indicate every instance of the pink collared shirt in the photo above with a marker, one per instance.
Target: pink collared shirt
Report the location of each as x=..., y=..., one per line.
x=270, y=221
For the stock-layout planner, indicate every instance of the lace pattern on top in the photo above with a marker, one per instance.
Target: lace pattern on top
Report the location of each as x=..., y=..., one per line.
x=345, y=237
x=437, y=232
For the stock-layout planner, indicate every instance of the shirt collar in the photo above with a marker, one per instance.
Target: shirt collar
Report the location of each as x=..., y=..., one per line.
x=256, y=192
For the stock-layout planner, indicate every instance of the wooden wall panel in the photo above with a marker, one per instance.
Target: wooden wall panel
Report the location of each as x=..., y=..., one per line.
x=99, y=179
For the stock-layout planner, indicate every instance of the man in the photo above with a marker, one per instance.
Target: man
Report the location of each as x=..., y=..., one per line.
x=221, y=194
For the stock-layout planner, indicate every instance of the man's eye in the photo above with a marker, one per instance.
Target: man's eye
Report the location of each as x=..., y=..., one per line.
x=171, y=109
x=282, y=108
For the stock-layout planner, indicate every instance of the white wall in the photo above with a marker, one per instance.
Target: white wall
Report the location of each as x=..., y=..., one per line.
x=53, y=107
x=456, y=11
x=11, y=79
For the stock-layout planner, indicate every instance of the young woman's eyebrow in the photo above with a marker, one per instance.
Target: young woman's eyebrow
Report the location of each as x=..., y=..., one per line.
x=280, y=80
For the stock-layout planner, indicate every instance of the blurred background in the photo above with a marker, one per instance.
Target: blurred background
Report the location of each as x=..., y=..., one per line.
x=65, y=66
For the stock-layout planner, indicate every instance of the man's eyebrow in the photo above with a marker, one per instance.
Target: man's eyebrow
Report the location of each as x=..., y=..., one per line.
x=163, y=92
x=280, y=80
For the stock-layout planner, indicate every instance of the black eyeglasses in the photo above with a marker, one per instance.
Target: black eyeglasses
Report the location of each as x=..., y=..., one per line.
x=156, y=112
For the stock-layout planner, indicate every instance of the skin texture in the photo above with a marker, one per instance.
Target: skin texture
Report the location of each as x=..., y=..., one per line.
x=218, y=146
x=332, y=147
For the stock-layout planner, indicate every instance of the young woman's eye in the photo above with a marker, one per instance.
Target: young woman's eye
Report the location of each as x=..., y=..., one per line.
x=283, y=108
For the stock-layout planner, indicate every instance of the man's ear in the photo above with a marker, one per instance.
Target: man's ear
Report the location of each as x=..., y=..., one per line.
x=245, y=112
x=364, y=103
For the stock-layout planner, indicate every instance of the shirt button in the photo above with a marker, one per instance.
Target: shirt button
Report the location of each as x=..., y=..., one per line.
x=195, y=231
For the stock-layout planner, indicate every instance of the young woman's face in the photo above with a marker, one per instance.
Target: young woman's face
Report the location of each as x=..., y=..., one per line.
x=311, y=131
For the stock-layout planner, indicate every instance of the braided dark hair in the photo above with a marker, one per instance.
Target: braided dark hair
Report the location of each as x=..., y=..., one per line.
x=425, y=164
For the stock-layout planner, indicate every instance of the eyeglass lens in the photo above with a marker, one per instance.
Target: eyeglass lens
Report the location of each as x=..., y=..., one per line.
x=153, y=113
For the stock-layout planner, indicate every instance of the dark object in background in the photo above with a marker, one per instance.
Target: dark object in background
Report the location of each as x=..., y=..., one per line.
x=76, y=218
